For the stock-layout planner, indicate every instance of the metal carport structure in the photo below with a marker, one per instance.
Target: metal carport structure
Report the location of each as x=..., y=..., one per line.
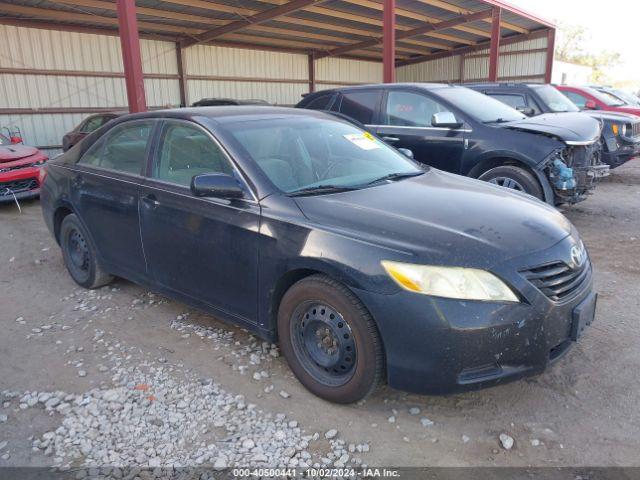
x=395, y=33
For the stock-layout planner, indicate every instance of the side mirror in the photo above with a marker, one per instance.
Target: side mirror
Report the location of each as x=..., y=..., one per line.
x=590, y=105
x=15, y=140
x=445, y=120
x=406, y=152
x=528, y=111
x=217, y=185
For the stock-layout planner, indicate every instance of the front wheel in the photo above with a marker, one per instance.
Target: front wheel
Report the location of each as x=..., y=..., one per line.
x=330, y=340
x=516, y=178
x=80, y=255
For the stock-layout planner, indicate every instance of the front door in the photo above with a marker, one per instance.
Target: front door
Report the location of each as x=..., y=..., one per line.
x=106, y=186
x=406, y=123
x=205, y=248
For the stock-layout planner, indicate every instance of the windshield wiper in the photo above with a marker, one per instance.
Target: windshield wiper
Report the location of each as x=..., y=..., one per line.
x=319, y=189
x=500, y=120
x=395, y=176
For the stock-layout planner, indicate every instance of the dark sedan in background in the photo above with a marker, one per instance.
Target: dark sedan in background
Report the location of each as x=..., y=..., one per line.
x=621, y=131
x=462, y=131
x=305, y=229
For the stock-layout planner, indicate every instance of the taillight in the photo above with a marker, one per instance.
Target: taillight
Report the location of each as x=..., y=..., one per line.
x=42, y=174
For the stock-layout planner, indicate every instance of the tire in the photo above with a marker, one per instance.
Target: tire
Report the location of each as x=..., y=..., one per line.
x=341, y=358
x=80, y=255
x=517, y=178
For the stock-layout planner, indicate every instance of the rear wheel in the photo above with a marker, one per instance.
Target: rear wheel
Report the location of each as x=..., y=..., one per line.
x=330, y=340
x=516, y=178
x=80, y=256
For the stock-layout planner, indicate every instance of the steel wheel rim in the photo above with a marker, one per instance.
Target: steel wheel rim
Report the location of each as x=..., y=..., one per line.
x=507, y=182
x=78, y=251
x=323, y=343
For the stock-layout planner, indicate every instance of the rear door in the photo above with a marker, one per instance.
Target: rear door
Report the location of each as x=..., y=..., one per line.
x=105, y=189
x=360, y=104
x=405, y=122
x=204, y=248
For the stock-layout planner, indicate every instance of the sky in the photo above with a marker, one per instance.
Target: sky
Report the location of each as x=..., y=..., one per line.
x=610, y=26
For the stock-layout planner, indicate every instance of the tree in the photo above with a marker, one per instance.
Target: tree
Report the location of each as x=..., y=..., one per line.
x=570, y=48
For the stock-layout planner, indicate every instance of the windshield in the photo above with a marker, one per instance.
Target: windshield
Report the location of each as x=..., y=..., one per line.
x=304, y=152
x=4, y=140
x=479, y=106
x=555, y=100
x=606, y=98
x=627, y=97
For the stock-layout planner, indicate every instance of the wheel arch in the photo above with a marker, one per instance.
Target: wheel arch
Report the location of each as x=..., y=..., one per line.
x=498, y=161
x=294, y=275
x=61, y=212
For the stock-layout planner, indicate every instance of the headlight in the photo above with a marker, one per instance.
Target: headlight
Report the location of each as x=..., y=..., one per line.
x=619, y=129
x=450, y=282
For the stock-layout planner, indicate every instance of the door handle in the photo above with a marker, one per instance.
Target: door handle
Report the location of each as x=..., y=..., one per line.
x=391, y=139
x=150, y=201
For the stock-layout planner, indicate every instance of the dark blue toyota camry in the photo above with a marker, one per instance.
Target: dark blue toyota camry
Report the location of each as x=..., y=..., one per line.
x=297, y=225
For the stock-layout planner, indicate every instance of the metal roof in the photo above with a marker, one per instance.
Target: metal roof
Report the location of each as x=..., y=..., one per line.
x=344, y=28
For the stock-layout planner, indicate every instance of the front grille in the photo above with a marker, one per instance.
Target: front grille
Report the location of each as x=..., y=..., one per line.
x=17, y=167
x=635, y=129
x=557, y=280
x=18, y=186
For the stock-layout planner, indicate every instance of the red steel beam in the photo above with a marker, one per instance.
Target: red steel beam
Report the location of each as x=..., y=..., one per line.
x=551, y=44
x=182, y=83
x=389, y=41
x=429, y=27
x=494, y=47
x=312, y=73
x=131, y=58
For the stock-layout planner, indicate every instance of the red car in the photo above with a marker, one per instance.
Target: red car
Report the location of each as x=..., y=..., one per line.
x=19, y=170
x=587, y=98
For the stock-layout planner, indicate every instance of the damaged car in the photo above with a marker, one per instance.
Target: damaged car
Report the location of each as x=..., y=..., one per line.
x=620, y=138
x=459, y=130
x=19, y=170
x=309, y=231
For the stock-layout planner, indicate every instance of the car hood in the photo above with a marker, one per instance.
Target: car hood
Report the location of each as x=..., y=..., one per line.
x=9, y=153
x=441, y=218
x=613, y=116
x=568, y=126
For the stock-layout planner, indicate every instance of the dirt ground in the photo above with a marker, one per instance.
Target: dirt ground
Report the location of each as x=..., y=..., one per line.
x=585, y=411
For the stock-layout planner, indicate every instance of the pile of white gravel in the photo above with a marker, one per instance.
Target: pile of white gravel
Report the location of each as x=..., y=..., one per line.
x=157, y=416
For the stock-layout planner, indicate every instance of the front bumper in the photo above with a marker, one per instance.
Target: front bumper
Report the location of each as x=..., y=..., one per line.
x=19, y=184
x=437, y=346
x=617, y=153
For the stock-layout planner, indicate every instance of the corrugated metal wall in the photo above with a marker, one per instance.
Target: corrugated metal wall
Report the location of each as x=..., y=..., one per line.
x=54, y=79
x=65, y=62
x=276, y=77
x=339, y=72
x=526, y=64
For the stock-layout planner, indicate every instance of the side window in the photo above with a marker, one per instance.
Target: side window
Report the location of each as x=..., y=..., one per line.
x=576, y=98
x=186, y=151
x=512, y=100
x=360, y=105
x=320, y=103
x=410, y=109
x=123, y=149
x=92, y=124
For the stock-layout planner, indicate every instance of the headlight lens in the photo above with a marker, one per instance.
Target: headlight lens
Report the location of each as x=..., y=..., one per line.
x=450, y=282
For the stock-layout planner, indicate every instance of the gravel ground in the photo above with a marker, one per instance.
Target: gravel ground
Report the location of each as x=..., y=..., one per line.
x=123, y=376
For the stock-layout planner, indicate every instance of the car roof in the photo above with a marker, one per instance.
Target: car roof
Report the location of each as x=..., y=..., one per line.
x=388, y=86
x=502, y=84
x=227, y=114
